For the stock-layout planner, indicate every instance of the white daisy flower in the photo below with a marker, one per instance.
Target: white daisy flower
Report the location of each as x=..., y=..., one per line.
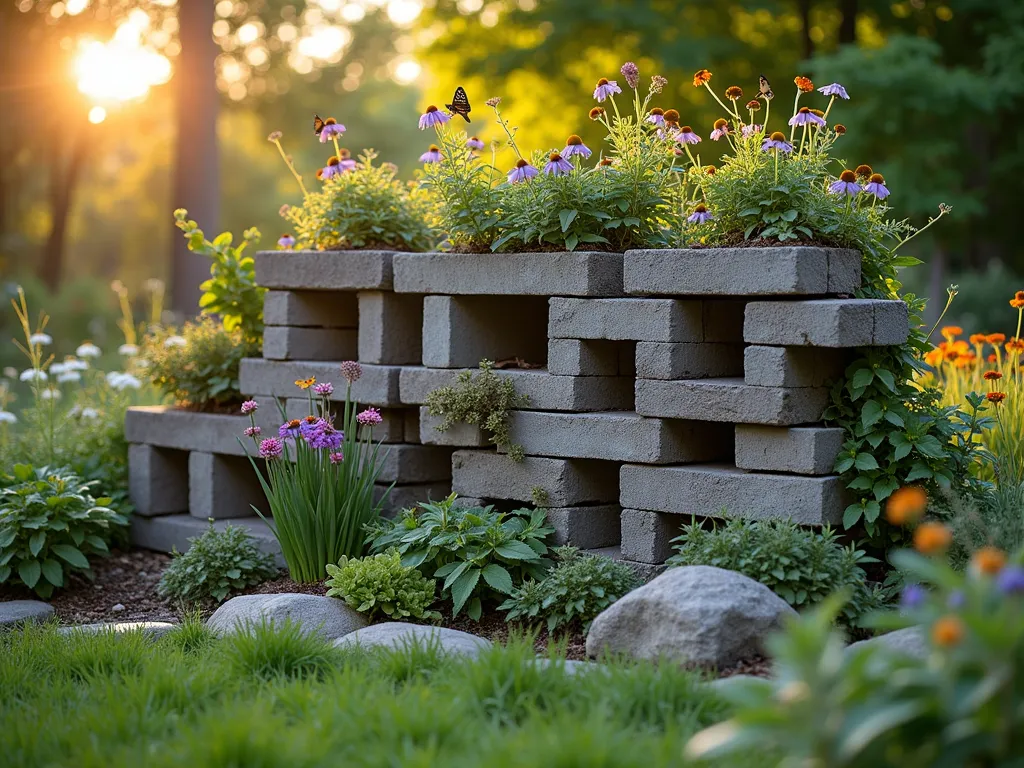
x=69, y=376
x=88, y=349
x=50, y=394
x=58, y=368
x=33, y=374
x=128, y=350
x=42, y=339
x=76, y=365
x=90, y=413
x=175, y=341
x=6, y=417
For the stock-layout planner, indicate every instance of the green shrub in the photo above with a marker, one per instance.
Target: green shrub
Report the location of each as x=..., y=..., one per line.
x=216, y=564
x=49, y=526
x=801, y=565
x=480, y=553
x=381, y=584
x=578, y=588
x=993, y=518
x=198, y=368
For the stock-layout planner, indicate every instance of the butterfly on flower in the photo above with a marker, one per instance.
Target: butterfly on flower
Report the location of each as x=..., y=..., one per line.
x=460, y=104
x=305, y=383
x=318, y=124
x=764, y=88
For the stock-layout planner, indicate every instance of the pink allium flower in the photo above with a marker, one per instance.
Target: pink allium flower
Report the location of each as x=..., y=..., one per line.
x=249, y=406
x=324, y=389
x=433, y=116
x=370, y=417
x=351, y=370
x=658, y=83
x=271, y=448
x=337, y=457
x=253, y=431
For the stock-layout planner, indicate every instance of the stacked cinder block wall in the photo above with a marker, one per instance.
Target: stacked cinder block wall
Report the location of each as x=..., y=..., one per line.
x=661, y=384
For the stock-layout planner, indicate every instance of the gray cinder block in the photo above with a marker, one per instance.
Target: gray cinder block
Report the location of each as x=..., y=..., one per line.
x=730, y=400
x=172, y=532
x=647, y=536
x=585, y=527
x=723, y=320
x=826, y=323
x=378, y=384
x=310, y=309
x=288, y=343
x=665, y=360
x=578, y=273
x=801, y=450
x=408, y=464
x=324, y=270
x=568, y=482
x=166, y=427
x=795, y=271
x=458, y=435
x=390, y=328
x=412, y=425
x=709, y=489
x=792, y=366
x=619, y=436
x=626, y=319
x=222, y=487
x=584, y=357
x=460, y=331
x=408, y=496
x=157, y=480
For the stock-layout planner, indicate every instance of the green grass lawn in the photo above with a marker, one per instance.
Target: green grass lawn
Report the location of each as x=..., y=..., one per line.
x=275, y=698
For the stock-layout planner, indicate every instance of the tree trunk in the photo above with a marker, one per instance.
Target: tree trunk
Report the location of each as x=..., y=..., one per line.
x=196, y=171
x=848, y=22
x=807, y=45
x=62, y=191
x=936, y=285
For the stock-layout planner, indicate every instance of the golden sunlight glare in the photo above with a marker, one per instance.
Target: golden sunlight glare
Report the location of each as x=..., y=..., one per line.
x=97, y=115
x=121, y=69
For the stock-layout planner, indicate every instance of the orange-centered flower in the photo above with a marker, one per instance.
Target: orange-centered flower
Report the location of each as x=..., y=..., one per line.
x=950, y=332
x=840, y=129
x=993, y=375
x=989, y=560
x=996, y=397
x=734, y=93
x=932, y=538
x=753, y=105
x=864, y=170
x=721, y=123
x=671, y=116
x=906, y=506
x=803, y=84
x=848, y=175
x=596, y=113
x=995, y=338
x=701, y=77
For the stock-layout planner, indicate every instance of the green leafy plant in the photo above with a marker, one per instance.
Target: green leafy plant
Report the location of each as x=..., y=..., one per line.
x=483, y=400
x=992, y=518
x=198, y=368
x=49, y=527
x=575, y=591
x=380, y=584
x=479, y=552
x=231, y=292
x=802, y=566
x=216, y=564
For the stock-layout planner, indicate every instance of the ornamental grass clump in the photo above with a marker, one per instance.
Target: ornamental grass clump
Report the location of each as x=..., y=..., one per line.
x=319, y=478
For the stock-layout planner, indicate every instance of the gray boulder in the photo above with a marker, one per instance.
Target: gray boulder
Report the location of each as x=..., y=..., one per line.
x=695, y=614
x=910, y=641
x=328, y=616
x=16, y=612
x=152, y=629
x=396, y=634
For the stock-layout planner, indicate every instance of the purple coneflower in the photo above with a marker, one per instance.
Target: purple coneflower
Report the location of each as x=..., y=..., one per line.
x=631, y=72
x=749, y=130
x=253, y=431
x=805, y=116
x=522, y=172
x=325, y=436
x=370, y=417
x=1010, y=580
x=249, y=406
x=433, y=116
x=656, y=117
x=834, y=89
x=332, y=169
x=271, y=448
x=290, y=429
x=351, y=370
x=721, y=129
x=574, y=146
x=432, y=155
x=700, y=214
x=286, y=242
x=337, y=457
x=309, y=424
x=687, y=136
x=324, y=389
x=474, y=143
x=331, y=129
x=557, y=165
x=606, y=89
x=876, y=186
x=846, y=184
x=777, y=141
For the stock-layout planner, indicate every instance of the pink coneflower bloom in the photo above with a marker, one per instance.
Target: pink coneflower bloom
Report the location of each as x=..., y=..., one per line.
x=474, y=143
x=324, y=389
x=253, y=431
x=721, y=129
x=657, y=117
x=606, y=88
x=286, y=241
x=249, y=406
x=432, y=155
x=805, y=117
x=370, y=417
x=557, y=165
x=271, y=448
x=337, y=457
x=845, y=185
x=700, y=214
x=332, y=169
x=574, y=146
x=749, y=130
x=777, y=141
x=687, y=136
x=876, y=186
x=331, y=129
x=433, y=116
x=834, y=89
x=522, y=172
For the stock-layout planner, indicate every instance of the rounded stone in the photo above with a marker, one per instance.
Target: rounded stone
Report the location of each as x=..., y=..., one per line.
x=151, y=629
x=327, y=616
x=909, y=641
x=15, y=612
x=397, y=634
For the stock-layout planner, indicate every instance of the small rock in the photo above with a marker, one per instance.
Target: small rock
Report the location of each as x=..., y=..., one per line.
x=909, y=641
x=152, y=629
x=396, y=634
x=117, y=608
x=328, y=616
x=16, y=612
x=143, y=574
x=694, y=614
x=116, y=571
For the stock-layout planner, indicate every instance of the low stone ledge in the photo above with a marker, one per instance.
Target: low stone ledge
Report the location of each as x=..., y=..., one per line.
x=800, y=450
x=566, y=482
x=166, y=427
x=668, y=361
x=457, y=435
x=826, y=323
x=460, y=331
x=730, y=400
x=172, y=532
x=377, y=386
x=324, y=270
x=578, y=273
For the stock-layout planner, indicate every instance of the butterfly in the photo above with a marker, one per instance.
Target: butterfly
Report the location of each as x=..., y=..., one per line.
x=460, y=104
x=318, y=124
x=764, y=88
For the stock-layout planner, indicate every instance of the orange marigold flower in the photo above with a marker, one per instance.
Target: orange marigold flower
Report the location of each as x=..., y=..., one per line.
x=701, y=77
x=993, y=375
x=1015, y=345
x=906, y=506
x=988, y=560
x=996, y=397
x=996, y=338
x=992, y=357
x=840, y=129
x=950, y=332
x=934, y=358
x=803, y=84
x=932, y=538
x=1017, y=303
x=734, y=93
x=966, y=359
x=977, y=338
x=947, y=631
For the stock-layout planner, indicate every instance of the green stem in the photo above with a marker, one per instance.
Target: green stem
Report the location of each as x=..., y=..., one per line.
x=277, y=143
x=796, y=105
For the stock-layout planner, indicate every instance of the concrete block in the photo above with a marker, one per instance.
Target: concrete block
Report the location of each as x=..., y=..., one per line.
x=324, y=270
x=458, y=435
x=826, y=323
x=800, y=450
x=709, y=489
x=723, y=320
x=288, y=343
x=584, y=357
x=401, y=497
x=646, y=536
x=166, y=427
x=377, y=386
x=390, y=328
x=408, y=464
x=172, y=532
x=625, y=319
x=792, y=366
x=568, y=482
x=412, y=425
x=468, y=501
x=223, y=487
x=646, y=571
x=794, y=271
x=310, y=309
x=545, y=392
x=460, y=331
x=579, y=273
x=665, y=360
x=729, y=400
x=585, y=527
x=618, y=436
x=157, y=480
